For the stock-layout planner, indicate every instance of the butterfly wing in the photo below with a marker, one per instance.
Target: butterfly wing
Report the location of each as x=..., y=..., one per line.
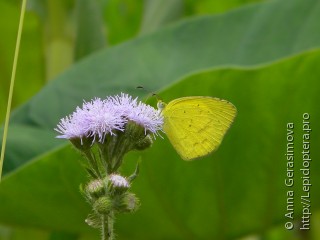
x=196, y=126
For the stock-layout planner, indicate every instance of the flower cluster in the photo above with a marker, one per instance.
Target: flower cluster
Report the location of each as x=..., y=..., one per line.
x=99, y=118
x=103, y=131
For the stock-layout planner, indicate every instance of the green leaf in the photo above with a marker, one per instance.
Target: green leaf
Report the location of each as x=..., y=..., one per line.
x=239, y=189
x=122, y=18
x=235, y=191
x=244, y=56
x=158, y=13
x=157, y=60
x=213, y=7
x=22, y=233
x=43, y=191
x=25, y=142
x=90, y=34
x=243, y=38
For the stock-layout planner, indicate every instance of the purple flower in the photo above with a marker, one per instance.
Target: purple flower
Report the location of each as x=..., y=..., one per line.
x=102, y=118
x=138, y=112
x=96, y=118
x=148, y=117
x=119, y=181
x=69, y=128
x=123, y=103
x=99, y=118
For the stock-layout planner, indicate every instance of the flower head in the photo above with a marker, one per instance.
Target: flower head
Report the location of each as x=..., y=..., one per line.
x=147, y=116
x=94, y=189
x=99, y=118
x=119, y=181
x=123, y=104
x=138, y=112
x=96, y=118
x=69, y=128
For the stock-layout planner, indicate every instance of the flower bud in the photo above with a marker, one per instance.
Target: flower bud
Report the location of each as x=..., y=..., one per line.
x=118, y=183
x=131, y=202
x=95, y=188
x=103, y=205
x=93, y=220
x=127, y=202
x=134, y=132
x=144, y=143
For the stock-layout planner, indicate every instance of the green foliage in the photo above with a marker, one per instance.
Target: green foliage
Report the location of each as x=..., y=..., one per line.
x=262, y=57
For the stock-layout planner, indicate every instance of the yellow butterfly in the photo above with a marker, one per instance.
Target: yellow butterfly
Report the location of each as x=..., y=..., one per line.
x=196, y=126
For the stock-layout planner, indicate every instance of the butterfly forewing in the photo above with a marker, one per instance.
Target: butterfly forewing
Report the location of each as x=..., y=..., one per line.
x=195, y=126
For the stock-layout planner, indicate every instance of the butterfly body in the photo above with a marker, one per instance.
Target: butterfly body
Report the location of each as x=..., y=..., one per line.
x=196, y=126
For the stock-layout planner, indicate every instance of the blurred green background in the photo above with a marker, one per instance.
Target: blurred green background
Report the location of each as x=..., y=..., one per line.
x=263, y=56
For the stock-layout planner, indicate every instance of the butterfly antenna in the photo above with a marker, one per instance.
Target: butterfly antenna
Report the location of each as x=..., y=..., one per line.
x=156, y=96
x=150, y=94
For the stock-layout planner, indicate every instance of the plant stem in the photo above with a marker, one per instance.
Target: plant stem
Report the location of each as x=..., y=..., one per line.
x=110, y=226
x=104, y=230
x=93, y=162
x=13, y=76
x=107, y=227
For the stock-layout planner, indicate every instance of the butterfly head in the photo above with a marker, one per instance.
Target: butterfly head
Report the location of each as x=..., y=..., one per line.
x=161, y=105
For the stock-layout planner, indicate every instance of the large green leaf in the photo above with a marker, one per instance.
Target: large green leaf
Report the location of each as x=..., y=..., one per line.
x=90, y=28
x=237, y=190
x=213, y=7
x=158, y=13
x=122, y=18
x=248, y=37
x=240, y=189
x=25, y=142
x=34, y=196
